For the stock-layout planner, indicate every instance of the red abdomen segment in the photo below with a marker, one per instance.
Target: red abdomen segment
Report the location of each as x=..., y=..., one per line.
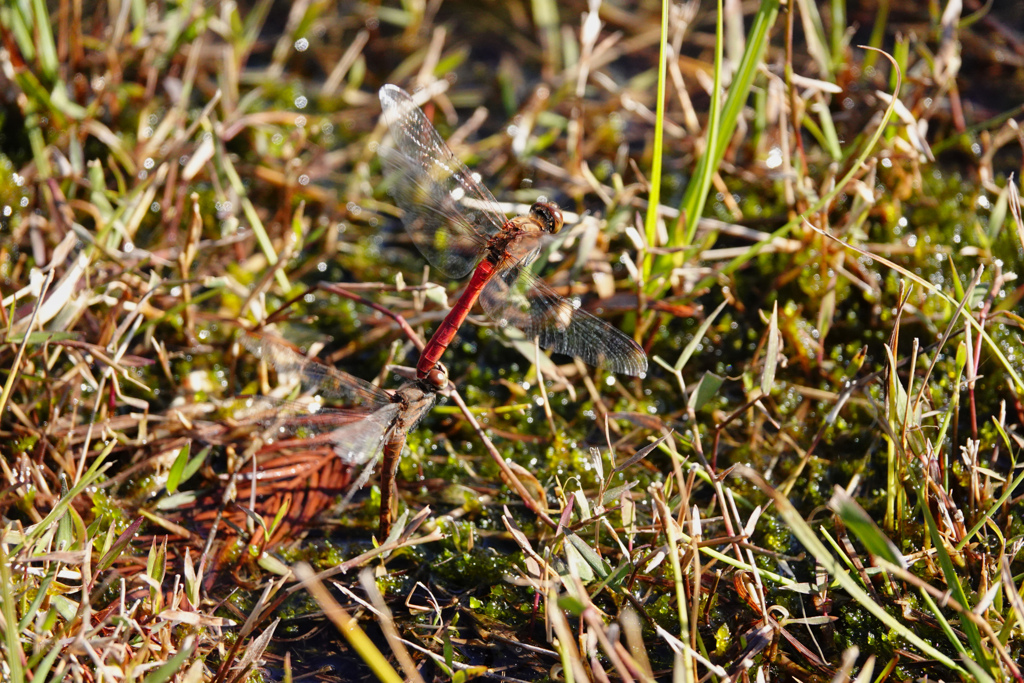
x=450, y=325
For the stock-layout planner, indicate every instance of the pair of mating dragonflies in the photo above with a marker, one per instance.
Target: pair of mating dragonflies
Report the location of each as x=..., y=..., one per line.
x=459, y=227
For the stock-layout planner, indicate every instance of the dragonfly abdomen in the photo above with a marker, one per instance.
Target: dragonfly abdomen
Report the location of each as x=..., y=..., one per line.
x=450, y=325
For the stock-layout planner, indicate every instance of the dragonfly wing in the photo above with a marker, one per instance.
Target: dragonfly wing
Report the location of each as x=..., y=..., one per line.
x=514, y=296
x=439, y=228
x=314, y=376
x=448, y=213
x=361, y=441
x=298, y=418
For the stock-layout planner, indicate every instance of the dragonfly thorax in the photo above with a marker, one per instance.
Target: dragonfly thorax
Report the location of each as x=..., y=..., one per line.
x=521, y=236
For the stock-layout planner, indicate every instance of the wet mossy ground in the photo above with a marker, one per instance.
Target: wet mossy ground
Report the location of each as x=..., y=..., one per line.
x=939, y=220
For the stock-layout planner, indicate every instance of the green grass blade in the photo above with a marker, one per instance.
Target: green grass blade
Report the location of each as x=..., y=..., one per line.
x=43, y=669
x=877, y=33
x=955, y=587
x=698, y=337
x=651, y=219
x=167, y=670
x=864, y=528
x=721, y=127
x=122, y=541
x=177, y=468
x=13, y=652
x=45, y=45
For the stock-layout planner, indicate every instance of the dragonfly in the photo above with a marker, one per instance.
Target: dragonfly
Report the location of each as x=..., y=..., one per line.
x=379, y=422
x=459, y=227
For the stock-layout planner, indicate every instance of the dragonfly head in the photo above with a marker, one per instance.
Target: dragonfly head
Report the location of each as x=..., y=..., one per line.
x=438, y=377
x=548, y=216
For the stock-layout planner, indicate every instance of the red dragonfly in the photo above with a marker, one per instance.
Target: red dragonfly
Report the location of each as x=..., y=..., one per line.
x=379, y=423
x=458, y=225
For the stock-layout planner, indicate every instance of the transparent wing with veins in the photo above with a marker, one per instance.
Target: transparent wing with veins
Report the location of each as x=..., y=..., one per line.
x=307, y=421
x=514, y=296
x=315, y=376
x=362, y=441
x=448, y=213
x=356, y=436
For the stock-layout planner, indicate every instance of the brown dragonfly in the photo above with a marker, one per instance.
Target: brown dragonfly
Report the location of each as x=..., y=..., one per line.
x=459, y=226
x=377, y=423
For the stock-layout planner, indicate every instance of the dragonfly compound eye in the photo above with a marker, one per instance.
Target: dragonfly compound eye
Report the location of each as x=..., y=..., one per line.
x=548, y=215
x=438, y=377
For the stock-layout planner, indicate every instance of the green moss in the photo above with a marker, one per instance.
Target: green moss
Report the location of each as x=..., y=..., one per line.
x=13, y=199
x=107, y=512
